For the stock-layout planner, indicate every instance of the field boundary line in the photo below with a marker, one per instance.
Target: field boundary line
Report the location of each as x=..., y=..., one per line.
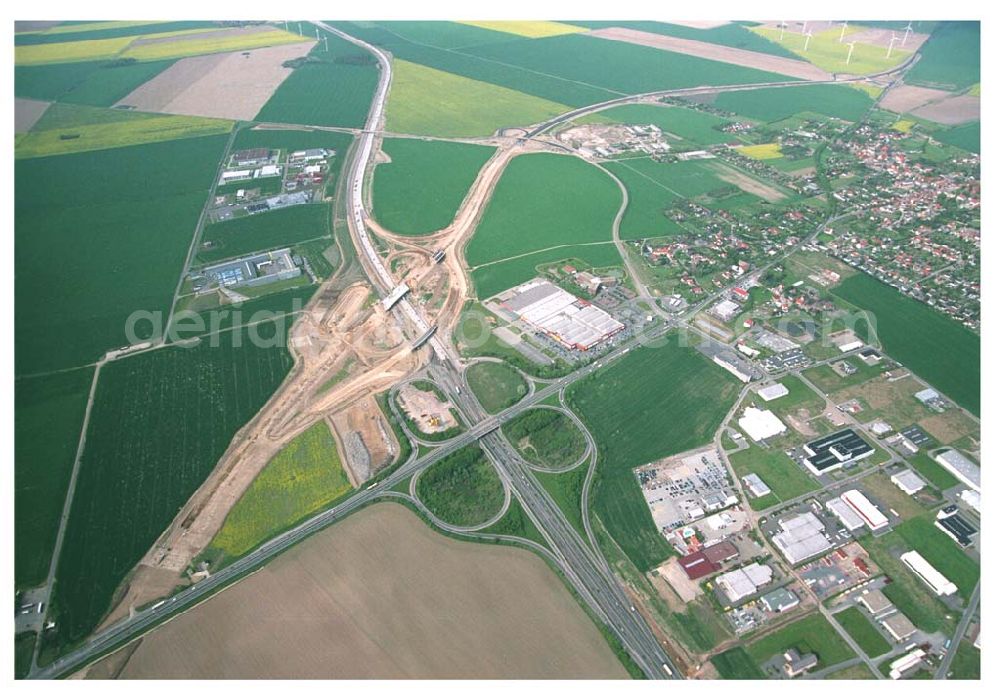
x=532, y=253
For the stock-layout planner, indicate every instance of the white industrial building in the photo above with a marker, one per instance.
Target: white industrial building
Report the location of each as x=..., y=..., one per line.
x=744, y=581
x=571, y=321
x=755, y=486
x=971, y=498
x=908, y=481
x=961, y=467
x=761, y=424
x=851, y=520
x=871, y=514
x=937, y=582
x=769, y=393
x=899, y=667
x=726, y=309
x=801, y=537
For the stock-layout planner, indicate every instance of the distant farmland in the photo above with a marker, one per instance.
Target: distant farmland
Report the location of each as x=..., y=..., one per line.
x=654, y=402
x=528, y=214
x=331, y=87
x=160, y=422
x=775, y=103
x=935, y=347
x=94, y=83
x=421, y=189
x=111, y=243
x=48, y=418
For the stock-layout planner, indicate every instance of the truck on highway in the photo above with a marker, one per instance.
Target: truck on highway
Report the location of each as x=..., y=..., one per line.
x=667, y=669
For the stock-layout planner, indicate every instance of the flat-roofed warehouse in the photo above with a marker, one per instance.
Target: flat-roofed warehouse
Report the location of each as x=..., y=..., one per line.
x=836, y=450
x=937, y=582
x=899, y=626
x=871, y=514
x=571, y=321
x=802, y=537
x=961, y=467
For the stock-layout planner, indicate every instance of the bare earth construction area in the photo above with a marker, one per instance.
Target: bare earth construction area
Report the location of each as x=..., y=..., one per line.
x=222, y=85
x=381, y=595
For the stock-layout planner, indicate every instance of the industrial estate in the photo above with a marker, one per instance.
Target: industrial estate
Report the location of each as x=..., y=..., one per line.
x=510, y=349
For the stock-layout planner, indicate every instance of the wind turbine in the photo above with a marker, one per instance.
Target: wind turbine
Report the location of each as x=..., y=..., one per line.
x=909, y=30
x=782, y=25
x=805, y=25
x=843, y=30
x=892, y=42
x=809, y=35
x=850, y=52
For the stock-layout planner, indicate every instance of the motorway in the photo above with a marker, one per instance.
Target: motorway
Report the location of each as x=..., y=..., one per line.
x=585, y=569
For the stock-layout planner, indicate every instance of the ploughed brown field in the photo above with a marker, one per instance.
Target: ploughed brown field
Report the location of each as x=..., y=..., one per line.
x=381, y=595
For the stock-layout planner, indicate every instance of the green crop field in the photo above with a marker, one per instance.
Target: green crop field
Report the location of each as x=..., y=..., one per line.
x=812, y=634
x=425, y=101
x=546, y=437
x=160, y=422
x=501, y=275
x=114, y=242
x=496, y=385
x=267, y=230
x=774, y=103
x=447, y=35
x=201, y=43
x=93, y=83
x=527, y=214
x=734, y=34
x=70, y=128
x=799, y=397
x=737, y=664
x=617, y=66
x=862, y=631
x=463, y=488
x=566, y=489
x=966, y=664
x=70, y=51
x=935, y=347
x=420, y=190
x=965, y=136
x=304, y=477
x=654, y=402
x=697, y=127
x=942, y=552
x=950, y=58
x=785, y=478
x=648, y=201
x=48, y=418
x=104, y=30
x=332, y=88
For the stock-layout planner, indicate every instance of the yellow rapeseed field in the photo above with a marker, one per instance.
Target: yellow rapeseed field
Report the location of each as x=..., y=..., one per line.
x=769, y=150
x=531, y=30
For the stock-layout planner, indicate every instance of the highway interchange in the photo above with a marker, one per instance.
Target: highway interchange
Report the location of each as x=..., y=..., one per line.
x=582, y=565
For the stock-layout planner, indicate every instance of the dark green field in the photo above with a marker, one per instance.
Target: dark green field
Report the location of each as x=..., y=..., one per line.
x=950, y=58
x=93, y=83
x=420, y=190
x=497, y=277
x=648, y=201
x=697, y=127
x=546, y=437
x=654, y=402
x=775, y=103
x=934, y=346
x=733, y=34
x=785, y=478
x=160, y=422
x=496, y=385
x=48, y=417
x=463, y=488
x=965, y=136
x=31, y=38
x=862, y=631
x=526, y=214
x=810, y=634
x=737, y=664
x=933, y=471
x=267, y=230
x=334, y=88
x=113, y=242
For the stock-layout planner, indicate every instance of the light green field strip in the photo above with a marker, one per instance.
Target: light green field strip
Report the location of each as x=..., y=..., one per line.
x=529, y=29
x=827, y=52
x=93, y=26
x=425, y=101
x=124, y=133
x=187, y=44
x=195, y=46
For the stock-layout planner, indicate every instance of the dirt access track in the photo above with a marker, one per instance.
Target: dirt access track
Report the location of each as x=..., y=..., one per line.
x=724, y=54
x=382, y=595
x=221, y=85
